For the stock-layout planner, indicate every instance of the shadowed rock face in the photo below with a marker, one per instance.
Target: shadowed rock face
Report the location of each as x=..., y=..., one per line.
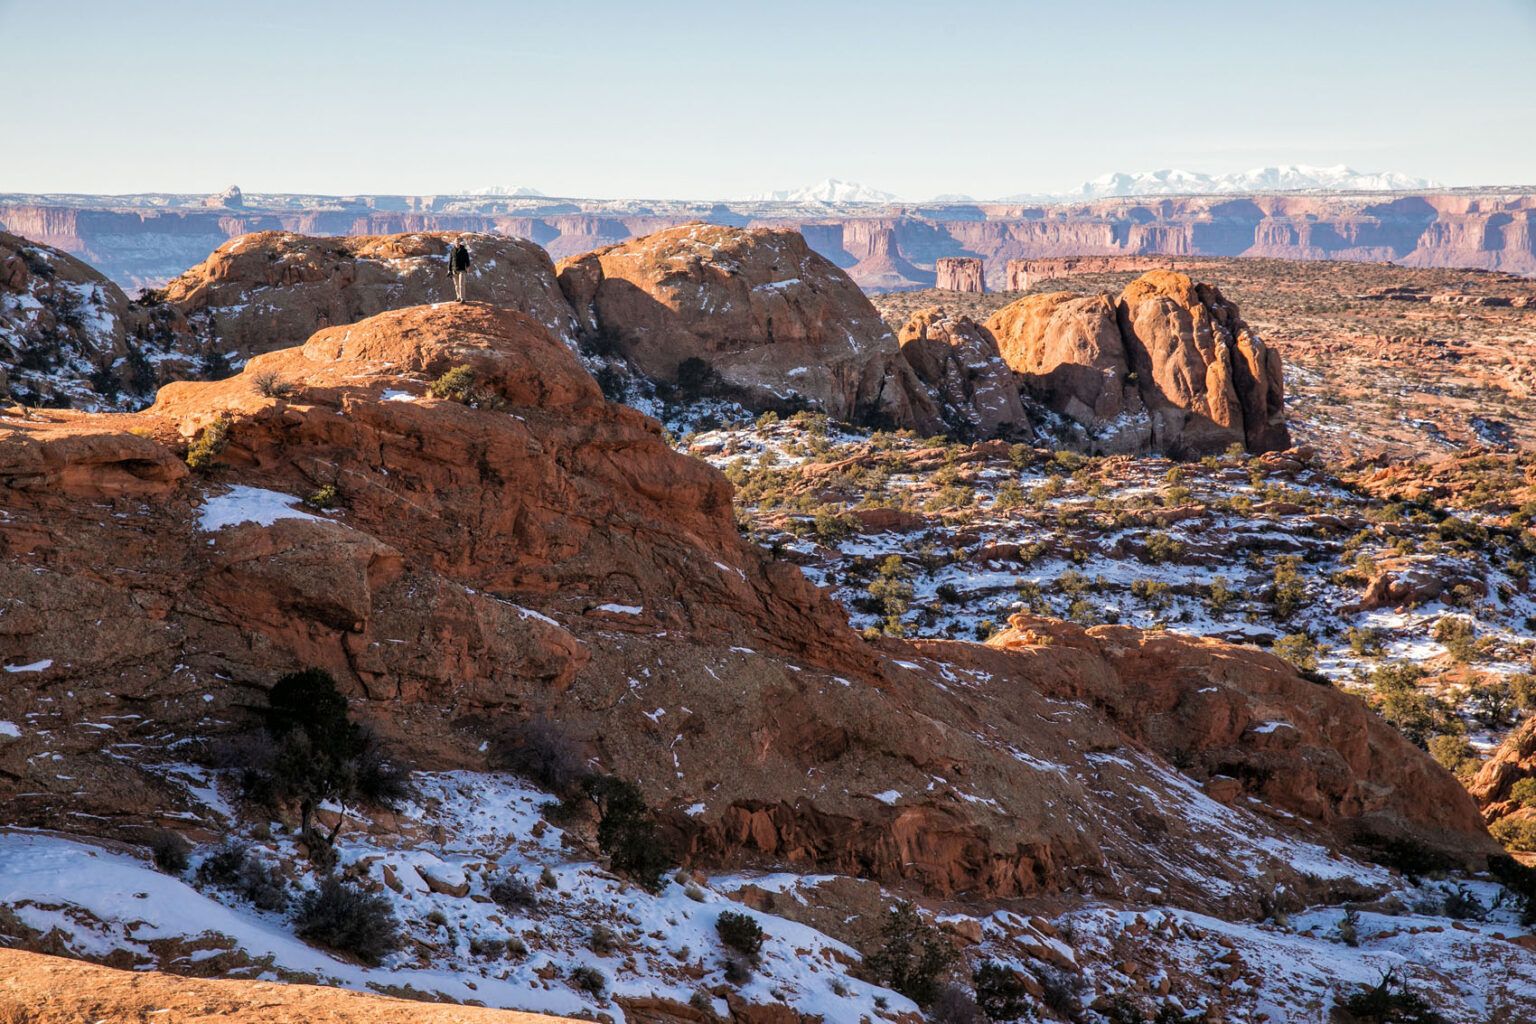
x=773, y=319
x=1171, y=365
x=60, y=323
x=958, y=359
x=546, y=551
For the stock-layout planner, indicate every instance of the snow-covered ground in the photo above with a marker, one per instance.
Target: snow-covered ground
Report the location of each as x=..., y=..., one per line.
x=459, y=833
x=1188, y=547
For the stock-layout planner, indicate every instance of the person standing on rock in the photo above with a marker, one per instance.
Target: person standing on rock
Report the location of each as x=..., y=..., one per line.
x=458, y=266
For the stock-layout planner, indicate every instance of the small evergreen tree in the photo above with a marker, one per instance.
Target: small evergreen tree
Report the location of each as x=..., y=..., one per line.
x=914, y=957
x=626, y=832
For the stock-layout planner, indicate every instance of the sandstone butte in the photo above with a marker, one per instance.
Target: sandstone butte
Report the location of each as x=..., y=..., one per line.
x=36, y=988
x=960, y=274
x=539, y=551
x=772, y=317
x=1170, y=364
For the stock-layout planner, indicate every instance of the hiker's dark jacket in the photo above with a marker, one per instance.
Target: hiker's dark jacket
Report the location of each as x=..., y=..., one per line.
x=458, y=260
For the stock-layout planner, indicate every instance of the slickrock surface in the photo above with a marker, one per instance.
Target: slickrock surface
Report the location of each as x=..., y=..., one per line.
x=37, y=989
x=273, y=289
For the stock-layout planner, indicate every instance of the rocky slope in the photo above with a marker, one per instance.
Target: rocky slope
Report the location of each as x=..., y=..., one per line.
x=774, y=321
x=146, y=240
x=531, y=547
x=68, y=336
x=1170, y=363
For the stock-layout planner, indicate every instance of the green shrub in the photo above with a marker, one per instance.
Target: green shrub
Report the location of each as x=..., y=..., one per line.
x=340, y=916
x=206, y=446
x=235, y=868
x=1516, y=833
x=317, y=753
x=1523, y=792
x=1158, y=547
x=456, y=385
x=741, y=932
x=1455, y=755
x=322, y=498
x=1298, y=649
x=1289, y=591
x=1220, y=597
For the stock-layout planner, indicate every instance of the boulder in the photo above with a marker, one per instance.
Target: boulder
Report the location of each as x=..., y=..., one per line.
x=777, y=323
x=958, y=359
x=1068, y=353
x=1513, y=760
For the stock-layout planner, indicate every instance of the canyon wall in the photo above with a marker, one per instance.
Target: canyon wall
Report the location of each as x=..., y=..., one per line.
x=147, y=240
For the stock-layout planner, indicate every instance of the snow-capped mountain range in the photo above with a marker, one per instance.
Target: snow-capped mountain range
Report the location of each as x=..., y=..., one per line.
x=831, y=190
x=1165, y=182
x=1285, y=178
x=505, y=190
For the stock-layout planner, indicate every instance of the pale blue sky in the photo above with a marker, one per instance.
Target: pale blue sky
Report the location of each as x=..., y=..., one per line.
x=718, y=99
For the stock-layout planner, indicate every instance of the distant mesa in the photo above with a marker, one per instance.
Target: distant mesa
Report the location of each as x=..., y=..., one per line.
x=1021, y=275
x=960, y=274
